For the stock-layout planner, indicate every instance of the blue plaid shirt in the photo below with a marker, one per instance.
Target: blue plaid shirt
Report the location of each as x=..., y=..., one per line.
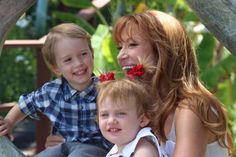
x=71, y=112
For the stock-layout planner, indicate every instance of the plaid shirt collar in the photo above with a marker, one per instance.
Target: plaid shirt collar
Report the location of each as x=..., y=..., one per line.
x=69, y=92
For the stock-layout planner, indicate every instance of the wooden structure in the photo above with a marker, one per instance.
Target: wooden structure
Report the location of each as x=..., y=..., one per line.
x=43, y=75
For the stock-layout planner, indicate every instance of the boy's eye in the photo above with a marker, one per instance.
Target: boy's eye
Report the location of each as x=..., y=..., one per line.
x=84, y=53
x=103, y=115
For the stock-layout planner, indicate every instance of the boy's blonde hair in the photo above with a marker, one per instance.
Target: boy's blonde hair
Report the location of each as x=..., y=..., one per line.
x=60, y=31
x=124, y=90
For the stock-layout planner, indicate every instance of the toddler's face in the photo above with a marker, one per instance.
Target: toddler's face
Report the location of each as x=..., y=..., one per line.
x=119, y=123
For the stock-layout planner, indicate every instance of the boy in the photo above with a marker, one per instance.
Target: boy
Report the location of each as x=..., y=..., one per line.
x=68, y=101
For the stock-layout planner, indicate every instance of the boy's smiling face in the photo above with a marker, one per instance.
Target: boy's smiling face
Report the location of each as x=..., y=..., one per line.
x=74, y=61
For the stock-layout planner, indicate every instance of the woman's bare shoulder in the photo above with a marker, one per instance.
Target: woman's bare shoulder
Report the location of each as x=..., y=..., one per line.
x=147, y=148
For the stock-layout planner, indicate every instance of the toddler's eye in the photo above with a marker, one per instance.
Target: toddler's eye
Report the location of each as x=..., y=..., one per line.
x=122, y=113
x=67, y=60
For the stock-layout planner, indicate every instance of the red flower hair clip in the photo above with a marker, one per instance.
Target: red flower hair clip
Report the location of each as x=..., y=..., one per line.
x=107, y=76
x=136, y=71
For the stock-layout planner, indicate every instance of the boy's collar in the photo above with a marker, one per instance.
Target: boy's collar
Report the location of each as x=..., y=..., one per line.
x=69, y=91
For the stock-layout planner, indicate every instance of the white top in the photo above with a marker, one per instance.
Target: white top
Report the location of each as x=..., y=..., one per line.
x=213, y=149
x=128, y=150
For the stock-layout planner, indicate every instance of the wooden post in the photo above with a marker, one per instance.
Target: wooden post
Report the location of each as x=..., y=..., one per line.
x=43, y=125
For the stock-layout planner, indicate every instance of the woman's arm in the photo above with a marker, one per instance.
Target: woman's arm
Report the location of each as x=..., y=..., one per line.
x=191, y=135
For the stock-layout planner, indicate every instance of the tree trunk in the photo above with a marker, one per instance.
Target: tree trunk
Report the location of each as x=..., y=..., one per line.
x=10, y=11
x=219, y=17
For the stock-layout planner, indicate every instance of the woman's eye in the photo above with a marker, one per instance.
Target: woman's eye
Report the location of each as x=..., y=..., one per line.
x=132, y=45
x=119, y=47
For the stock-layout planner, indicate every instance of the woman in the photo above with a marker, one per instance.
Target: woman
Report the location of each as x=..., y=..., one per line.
x=187, y=113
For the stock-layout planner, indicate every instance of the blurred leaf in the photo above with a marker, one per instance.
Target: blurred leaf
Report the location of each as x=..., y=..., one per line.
x=67, y=17
x=110, y=53
x=213, y=75
x=105, y=51
x=205, y=51
x=190, y=16
x=84, y=4
x=141, y=7
x=225, y=92
x=118, y=8
x=77, y=4
x=97, y=42
x=184, y=12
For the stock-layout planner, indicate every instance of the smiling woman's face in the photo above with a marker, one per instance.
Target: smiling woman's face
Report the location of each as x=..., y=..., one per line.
x=131, y=50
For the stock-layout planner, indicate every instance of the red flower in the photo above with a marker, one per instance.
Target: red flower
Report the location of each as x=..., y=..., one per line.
x=106, y=77
x=136, y=71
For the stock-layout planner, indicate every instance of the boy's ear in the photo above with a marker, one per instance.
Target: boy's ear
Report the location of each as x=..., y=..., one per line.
x=144, y=120
x=55, y=70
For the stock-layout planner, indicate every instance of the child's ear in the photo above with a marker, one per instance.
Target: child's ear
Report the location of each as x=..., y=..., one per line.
x=144, y=120
x=55, y=70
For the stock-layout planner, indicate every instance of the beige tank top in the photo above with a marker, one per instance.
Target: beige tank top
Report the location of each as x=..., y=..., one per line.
x=213, y=149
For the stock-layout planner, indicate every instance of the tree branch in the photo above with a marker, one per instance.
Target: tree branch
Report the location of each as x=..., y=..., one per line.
x=219, y=17
x=10, y=11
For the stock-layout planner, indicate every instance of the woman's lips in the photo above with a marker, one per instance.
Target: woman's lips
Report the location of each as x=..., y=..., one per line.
x=128, y=67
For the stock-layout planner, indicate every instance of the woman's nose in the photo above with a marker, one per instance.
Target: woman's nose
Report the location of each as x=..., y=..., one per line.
x=122, y=54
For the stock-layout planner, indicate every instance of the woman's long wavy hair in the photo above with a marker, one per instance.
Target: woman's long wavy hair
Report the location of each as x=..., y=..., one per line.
x=176, y=77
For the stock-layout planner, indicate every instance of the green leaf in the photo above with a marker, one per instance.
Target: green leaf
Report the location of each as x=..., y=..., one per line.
x=97, y=41
x=77, y=3
x=190, y=16
x=205, y=51
x=67, y=17
x=110, y=53
x=225, y=92
x=105, y=51
x=223, y=69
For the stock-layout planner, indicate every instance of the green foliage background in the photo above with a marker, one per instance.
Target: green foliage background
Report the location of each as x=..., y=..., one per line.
x=17, y=66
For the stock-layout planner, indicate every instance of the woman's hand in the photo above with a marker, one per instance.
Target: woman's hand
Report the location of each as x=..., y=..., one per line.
x=53, y=140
